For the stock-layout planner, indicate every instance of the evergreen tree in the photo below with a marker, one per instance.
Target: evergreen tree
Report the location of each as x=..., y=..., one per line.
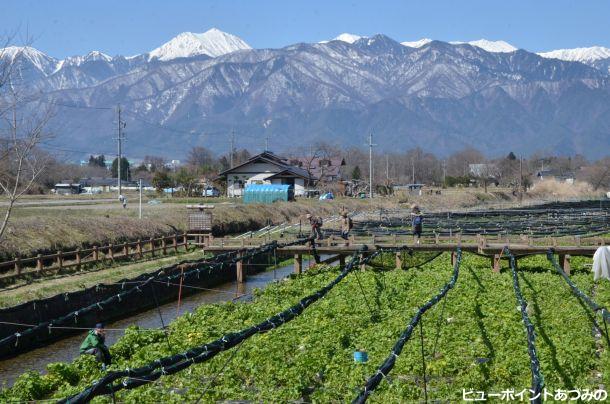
x=125, y=170
x=356, y=174
x=97, y=161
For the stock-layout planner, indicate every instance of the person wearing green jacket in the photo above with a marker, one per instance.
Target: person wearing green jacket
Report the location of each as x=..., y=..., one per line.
x=94, y=345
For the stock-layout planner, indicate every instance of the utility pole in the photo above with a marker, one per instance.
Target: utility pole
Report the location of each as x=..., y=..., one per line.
x=232, y=148
x=412, y=170
x=120, y=126
x=520, y=179
x=371, y=145
x=140, y=186
x=387, y=167
x=444, y=172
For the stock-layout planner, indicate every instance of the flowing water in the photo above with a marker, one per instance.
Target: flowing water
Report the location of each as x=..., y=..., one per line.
x=66, y=350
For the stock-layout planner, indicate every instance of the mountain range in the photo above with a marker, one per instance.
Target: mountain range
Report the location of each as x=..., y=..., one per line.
x=442, y=96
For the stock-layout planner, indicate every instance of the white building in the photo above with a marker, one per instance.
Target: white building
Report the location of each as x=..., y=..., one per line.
x=266, y=168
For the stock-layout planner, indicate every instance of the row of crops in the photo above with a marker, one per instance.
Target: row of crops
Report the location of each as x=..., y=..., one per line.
x=558, y=219
x=472, y=339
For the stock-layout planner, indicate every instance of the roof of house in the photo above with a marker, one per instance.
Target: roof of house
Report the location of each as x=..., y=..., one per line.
x=556, y=173
x=271, y=158
x=107, y=182
x=290, y=172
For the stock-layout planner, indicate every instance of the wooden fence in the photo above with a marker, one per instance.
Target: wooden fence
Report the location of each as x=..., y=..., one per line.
x=55, y=263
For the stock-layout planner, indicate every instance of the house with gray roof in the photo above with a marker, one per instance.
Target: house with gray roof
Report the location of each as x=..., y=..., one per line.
x=266, y=168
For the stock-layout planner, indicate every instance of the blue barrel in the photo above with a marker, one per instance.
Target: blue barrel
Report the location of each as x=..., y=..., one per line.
x=361, y=356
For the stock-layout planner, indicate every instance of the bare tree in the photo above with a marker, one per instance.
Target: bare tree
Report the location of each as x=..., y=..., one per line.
x=200, y=157
x=598, y=174
x=22, y=131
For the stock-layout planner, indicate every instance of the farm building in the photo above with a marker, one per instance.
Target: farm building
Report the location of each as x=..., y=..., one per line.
x=268, y=193
x=67, y=188
x=558, y=175
x=266, y=168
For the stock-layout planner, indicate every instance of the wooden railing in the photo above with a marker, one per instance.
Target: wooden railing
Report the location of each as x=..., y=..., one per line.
x=108, y=254
x=395, y=239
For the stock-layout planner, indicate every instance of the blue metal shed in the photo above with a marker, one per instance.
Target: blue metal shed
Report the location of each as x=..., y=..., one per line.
x=268, y=193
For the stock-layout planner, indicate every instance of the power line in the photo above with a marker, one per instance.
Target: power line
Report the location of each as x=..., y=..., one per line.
x=74, y=106
x=49, y=146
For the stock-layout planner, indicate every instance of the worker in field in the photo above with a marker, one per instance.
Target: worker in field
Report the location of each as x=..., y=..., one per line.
x=346, y=224
x=417, y=222
x=316, y=227
x=123, y=200
x=95, y=345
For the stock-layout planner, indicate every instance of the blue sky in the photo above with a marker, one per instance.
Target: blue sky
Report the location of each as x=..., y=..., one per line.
x=63, y=28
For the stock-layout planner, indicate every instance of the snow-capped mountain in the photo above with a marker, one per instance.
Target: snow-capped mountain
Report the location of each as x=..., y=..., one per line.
x=349, y=38
x=213, y=42
x=489, y=46
x=431, y=94
x=585, y=55
x=345, y=37
x=27, y=54
x=92, y=56
x=417, y=44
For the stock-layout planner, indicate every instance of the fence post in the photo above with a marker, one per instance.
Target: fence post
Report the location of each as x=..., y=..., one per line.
x=18, y=265
x=186, y=245
x=139, y=248
x=298, y=263
x=110, y=252
x=398, y=260
x=96, y=253
x=175, y=241
x=126, y=250
x=342, y=261
x=60, y=261
x=78, y=258
x=39, y=262
x=239, y=266
x=564, y=261
x=152, y=247
x=164, y=245
x=496, y=263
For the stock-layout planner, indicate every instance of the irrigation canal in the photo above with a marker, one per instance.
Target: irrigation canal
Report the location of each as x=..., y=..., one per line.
x=66, y=350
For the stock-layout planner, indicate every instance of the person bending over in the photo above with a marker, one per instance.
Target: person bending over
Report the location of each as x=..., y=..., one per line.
x=94, y=345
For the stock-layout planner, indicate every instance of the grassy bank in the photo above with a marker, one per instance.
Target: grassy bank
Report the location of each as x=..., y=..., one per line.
x=47, y=287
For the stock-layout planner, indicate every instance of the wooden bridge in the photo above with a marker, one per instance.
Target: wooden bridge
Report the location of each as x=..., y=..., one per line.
x=492, y=247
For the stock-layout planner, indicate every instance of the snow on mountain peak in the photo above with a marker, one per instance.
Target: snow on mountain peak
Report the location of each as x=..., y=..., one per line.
x=213, y=42
x=92, y=56
x=578, y=54
x=42, y=61
x=417, y=44
x=489, y=46
x=345, y=37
